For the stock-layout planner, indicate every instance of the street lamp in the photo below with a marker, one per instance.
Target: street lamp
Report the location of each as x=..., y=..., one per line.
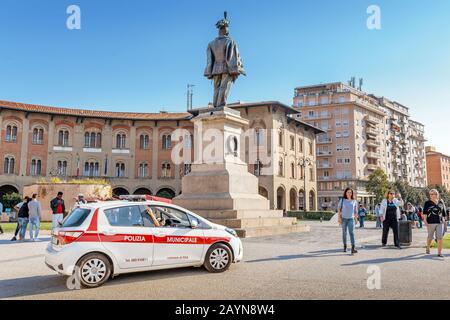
x=304, y=163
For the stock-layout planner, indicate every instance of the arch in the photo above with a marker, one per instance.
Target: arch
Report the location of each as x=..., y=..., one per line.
x=312, y=201
x=8, y=189
x=120, y=191
x=301, y=199
x=263, y=192
x=142, y=191
x=293, y=200
x=281, y=198
x=167, y=193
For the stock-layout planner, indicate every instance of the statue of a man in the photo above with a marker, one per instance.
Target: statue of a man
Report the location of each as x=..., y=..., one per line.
x=224, y=63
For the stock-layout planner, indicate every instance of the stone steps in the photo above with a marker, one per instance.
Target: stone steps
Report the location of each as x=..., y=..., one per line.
x=239, y=214
x=255, y=222
x=269, y=231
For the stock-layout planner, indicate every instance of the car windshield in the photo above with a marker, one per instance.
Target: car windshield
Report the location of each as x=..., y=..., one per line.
x=76, y=218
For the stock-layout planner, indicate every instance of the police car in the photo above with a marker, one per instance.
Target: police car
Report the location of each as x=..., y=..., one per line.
x=100, y=240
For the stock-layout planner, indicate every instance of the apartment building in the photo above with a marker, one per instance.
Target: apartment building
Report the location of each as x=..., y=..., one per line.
x=438, y=168
x=133, y=151
x=363, y=132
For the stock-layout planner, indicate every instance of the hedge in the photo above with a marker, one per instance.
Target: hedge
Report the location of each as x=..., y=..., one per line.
x=311, y=215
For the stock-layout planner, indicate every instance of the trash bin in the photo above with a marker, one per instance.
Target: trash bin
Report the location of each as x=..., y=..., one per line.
x=405, y=233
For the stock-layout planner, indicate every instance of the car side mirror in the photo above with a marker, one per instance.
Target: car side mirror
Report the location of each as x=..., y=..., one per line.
x=194, y=224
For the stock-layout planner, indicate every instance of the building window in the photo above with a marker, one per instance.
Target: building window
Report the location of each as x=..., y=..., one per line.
x=292, y=143
x=187, y=168
x=91, y=169
x=311, y=149
x=311, y=174
x=63, y=138
x=166, y=142
x=188, y=138
x=143, y=170
x=62, y=168
x=9, y=165
x=300, y=142
x=120, y=170
x=121, y=141
x=92, y=140
x=280, y=168
x=259, y=137
x=144, y=142
x=11, y=134
x=280, y=138
x=292, y=170
x=166, y=170
x=36, y=166
x=38, y=136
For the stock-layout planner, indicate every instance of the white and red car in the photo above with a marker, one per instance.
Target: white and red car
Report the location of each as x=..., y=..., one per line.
x=104, y=239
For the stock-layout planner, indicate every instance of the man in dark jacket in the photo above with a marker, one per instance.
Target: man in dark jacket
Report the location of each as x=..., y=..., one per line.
x=58, y=208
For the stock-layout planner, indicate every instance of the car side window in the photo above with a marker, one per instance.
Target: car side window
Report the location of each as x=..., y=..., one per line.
x=200, y=223
x=125, y=216
x=170, y=217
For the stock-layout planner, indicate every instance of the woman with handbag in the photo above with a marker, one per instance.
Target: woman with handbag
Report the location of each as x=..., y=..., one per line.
x=390, y=216
x=347, y=216
x=435, y=219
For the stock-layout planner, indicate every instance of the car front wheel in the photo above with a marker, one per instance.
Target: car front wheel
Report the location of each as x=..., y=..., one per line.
x=218, y=258
x=93, y=270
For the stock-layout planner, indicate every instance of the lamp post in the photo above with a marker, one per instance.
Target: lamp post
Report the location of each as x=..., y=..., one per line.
x=304, y=163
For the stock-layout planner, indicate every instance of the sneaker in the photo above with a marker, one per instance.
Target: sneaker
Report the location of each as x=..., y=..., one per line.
x=399, y=247
x=440, y=256
x=428, y=251
x=14, y=239
x=345, y=248
x=354, y=250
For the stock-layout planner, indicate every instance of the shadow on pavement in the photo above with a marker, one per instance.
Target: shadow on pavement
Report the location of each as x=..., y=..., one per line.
x=41, y=285
x=5, y=242
x=313, y=254
x=398, y=259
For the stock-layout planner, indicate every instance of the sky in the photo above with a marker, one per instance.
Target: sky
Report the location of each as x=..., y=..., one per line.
x=139, y=55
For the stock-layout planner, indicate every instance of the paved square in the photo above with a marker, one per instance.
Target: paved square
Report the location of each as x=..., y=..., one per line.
x=296, y=266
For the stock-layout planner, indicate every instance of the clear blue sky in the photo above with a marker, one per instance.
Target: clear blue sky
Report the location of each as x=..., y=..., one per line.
x=138, y=55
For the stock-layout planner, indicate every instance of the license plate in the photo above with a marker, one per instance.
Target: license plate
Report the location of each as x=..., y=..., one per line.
x=55, y=241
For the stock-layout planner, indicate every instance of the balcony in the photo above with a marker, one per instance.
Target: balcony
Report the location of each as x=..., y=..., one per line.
x=372, y=167
x=372, y=120
x=324, y=166
x=325, y=141
x=324, y=153
x=371, y=131
x=373, y=155
x=373, y=143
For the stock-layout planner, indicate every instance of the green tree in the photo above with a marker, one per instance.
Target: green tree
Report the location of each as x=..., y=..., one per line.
x=378, y=184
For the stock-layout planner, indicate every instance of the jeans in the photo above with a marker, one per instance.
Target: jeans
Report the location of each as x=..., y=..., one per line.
x=56, y=218
x=379, y=223
x=348, y=225
x=361, y=222
x=23, y=223
x=390, y=223
x=34, y=224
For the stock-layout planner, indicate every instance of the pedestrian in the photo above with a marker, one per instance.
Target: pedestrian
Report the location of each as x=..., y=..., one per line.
x=81, y=200
x=347, y=216
x=379, y=224
x=362, y=215
x=420, y=217
x=58, y=208
x=23, y=218
x=17, y=208
x=35, y=210
x=1, y=213
x=435, y=213
x=390, y=210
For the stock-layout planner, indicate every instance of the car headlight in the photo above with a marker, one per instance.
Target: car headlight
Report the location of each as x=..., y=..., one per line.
x=231, y=231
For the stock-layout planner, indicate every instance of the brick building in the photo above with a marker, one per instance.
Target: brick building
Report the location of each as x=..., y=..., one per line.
x=438, y=168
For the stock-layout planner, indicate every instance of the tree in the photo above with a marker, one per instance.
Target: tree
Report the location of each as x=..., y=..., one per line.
x=378, y=184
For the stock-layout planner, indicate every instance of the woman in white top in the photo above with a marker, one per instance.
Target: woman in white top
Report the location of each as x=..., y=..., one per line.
x=390, y=216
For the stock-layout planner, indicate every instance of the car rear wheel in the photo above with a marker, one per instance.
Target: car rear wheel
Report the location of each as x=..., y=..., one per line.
x=93, y=270
x=218, y=258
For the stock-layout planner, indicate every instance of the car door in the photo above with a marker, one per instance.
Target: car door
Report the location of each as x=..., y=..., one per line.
x=127, y=233
x=176, y=242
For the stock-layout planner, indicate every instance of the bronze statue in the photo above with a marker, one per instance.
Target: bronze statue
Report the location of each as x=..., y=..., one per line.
x=224, y=63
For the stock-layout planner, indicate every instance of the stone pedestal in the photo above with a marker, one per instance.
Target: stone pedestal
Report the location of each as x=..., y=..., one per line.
x=220, y=188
